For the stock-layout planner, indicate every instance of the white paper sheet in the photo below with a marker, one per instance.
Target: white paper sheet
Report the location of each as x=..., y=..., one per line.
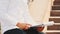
x=42, y=24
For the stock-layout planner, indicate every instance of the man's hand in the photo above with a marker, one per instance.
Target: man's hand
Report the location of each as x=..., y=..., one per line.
x=40, y=29
x=23, y=26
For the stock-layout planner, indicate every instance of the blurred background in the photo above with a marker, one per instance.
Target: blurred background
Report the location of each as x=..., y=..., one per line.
x=55, y=16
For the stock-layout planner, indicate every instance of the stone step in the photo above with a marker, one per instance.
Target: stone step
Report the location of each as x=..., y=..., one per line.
x=54, y=27
x=54, y=17
x=57, y=2
x=55, y=13
x=56, y=7
x=53, y=33
x=56, y=20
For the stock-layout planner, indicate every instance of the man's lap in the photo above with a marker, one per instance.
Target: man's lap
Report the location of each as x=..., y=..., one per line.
x=15, y=31
x=18, y=31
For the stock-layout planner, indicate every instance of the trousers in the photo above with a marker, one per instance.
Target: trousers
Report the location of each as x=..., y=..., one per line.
x=19, y=31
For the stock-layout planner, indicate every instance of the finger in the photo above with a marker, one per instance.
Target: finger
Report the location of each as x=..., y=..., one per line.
x=28, y=25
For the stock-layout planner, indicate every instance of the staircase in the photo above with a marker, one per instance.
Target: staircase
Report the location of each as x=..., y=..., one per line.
x=55, y=16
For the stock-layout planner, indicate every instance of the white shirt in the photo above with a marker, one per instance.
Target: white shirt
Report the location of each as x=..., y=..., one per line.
x=13, y=11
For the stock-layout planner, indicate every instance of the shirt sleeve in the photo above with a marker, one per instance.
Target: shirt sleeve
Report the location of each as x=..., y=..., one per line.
x=6, y=18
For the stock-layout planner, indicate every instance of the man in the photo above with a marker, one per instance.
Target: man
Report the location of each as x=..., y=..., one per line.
x=14, y=17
